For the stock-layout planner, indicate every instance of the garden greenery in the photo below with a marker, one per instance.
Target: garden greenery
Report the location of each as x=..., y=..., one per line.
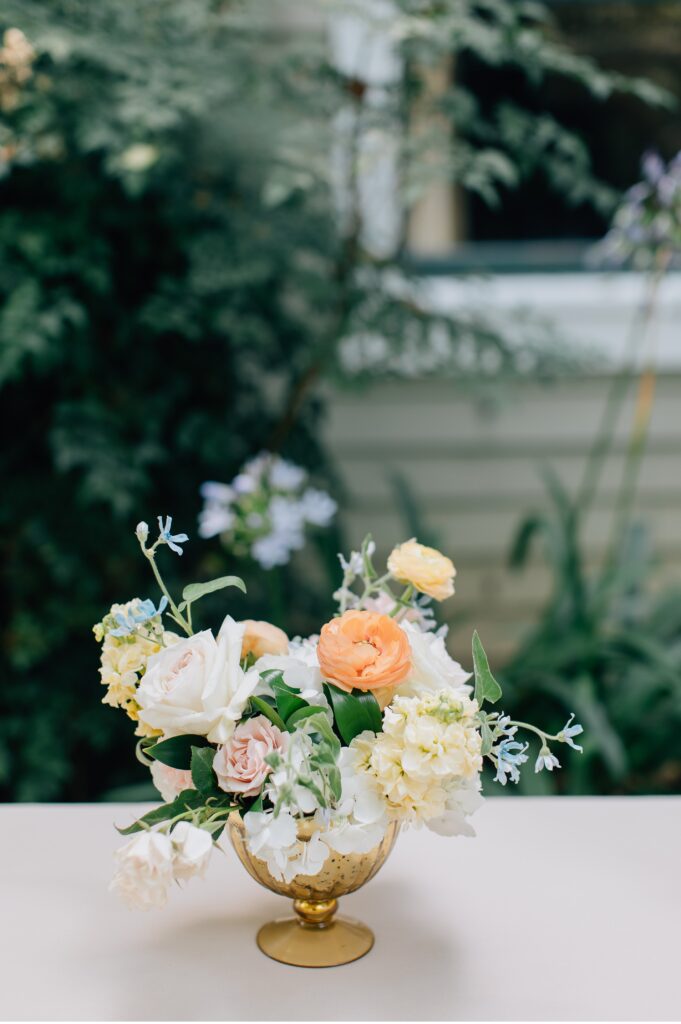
x=175, y=281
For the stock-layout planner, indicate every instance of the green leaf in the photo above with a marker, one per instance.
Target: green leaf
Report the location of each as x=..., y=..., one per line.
x=203, y=776
x=309, y=711
x=176, y=752
x=187, y=800
x=486, y=686
x=256, y=806
x=269, y=712
x=193, y=591
x=288, y=699
x=354, y=712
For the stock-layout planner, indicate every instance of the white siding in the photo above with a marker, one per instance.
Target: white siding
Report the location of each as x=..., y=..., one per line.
x=474, y=472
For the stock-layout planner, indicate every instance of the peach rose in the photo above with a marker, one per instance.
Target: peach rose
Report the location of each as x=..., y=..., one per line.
x=262, y=638
x=240, y=764
x=363, y=650
x=427, y=569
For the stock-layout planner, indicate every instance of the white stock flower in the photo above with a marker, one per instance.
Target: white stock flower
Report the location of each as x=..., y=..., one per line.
x=145, y=870
x=197, y=686
x=429, y=747
x=432, y=667
x=192, y=848
x=463, y=799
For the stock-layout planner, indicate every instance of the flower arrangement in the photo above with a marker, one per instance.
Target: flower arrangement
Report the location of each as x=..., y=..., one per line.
x=369, y=723
x=265, y=511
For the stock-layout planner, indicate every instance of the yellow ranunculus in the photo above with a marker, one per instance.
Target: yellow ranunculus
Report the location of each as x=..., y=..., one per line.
x=428, y=570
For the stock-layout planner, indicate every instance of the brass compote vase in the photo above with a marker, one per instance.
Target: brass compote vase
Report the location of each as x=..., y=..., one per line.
x=314, y=936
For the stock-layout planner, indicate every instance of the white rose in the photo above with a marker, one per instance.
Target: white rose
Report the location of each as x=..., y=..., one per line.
x=432, y=667
x=192, y=848
x=145, y=870
x=197, y=687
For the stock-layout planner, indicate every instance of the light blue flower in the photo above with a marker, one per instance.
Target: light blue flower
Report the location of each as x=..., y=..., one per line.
x=546, y=760
x=510, y=755
x=142, y=612
x=173, y=542
x=568, y=731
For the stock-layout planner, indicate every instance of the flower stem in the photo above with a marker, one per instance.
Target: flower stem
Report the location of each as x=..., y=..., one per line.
x=176, y=614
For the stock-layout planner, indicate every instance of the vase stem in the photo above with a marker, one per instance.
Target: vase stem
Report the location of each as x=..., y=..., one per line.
x=315, y=913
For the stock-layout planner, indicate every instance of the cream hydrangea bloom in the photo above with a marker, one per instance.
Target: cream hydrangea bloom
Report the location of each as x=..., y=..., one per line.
x=427, y=569
x=428, y=747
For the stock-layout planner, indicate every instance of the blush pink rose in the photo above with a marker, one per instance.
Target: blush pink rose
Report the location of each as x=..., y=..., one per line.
x=170, y=782
x=240, y=764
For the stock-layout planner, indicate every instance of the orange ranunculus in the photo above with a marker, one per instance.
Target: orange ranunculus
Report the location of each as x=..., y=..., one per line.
x=363, y=650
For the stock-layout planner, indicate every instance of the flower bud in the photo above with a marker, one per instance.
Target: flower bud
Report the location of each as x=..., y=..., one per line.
x=142, y=532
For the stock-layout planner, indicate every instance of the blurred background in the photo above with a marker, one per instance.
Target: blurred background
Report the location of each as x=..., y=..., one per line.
x=366, y=238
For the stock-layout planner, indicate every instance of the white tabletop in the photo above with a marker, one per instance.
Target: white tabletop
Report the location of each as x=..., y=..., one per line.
x=560, y=909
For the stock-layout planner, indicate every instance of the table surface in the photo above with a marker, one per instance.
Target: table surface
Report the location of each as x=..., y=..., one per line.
x=560, y=909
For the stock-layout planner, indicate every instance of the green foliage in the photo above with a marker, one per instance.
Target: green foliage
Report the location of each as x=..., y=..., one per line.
x=174, y=283
x=266, y=709
x=194, y=591
x=188, y=800
x=607, y=649
x=203, y=775
x=176, y=752
x=486, y=686
x=354, y=712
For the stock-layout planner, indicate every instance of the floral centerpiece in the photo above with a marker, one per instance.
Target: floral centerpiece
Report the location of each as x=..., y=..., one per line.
x=313, y=750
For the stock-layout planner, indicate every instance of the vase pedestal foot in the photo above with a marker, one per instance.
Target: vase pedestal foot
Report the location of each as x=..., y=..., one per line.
x=314, y=937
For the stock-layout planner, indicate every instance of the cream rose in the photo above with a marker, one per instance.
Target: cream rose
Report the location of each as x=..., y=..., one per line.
x=197, y=686
x=144, y=870
x=429, y=571
x=262, y=638
x=240, y=764
x=192, y=848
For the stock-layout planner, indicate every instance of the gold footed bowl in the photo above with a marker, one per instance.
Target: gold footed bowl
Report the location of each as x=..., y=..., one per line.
x=314, y=936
